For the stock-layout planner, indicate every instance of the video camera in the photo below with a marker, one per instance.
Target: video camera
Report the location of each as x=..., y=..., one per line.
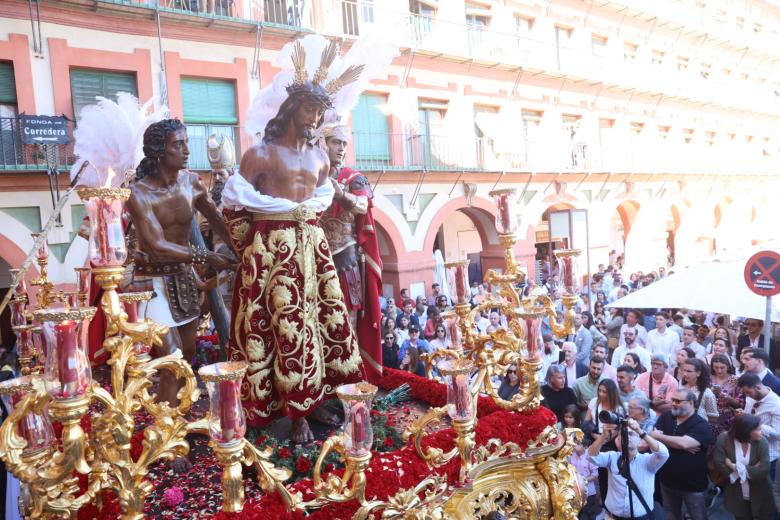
x=608, y=417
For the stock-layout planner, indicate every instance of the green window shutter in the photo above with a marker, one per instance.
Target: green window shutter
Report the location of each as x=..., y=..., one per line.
x=86, y=85
x=7, y=83
x=209, y=101
x=370, y=129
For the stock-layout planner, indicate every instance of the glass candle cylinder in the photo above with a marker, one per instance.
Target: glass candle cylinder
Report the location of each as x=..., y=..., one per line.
x=83, y=279
x=568, y=270
x=460, y=279
x=135, y=308
x=43, y=248
x=21, y=285
x=18, y=317
x=226, y=415
x=34, y=428
x=505, y=200
x=358, y=433
x=38, y=344
x=25, y=347
x=533, y=323
x=67, y=372
x=106, y=237
x=457, y=374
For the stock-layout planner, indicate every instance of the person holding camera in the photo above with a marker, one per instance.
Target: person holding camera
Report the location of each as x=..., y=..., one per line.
x=630, y=474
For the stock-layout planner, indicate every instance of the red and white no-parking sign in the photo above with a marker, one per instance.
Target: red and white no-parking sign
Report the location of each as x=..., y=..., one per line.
x=762, y=273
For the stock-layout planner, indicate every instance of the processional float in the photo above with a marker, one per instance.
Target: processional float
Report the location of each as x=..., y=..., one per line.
x=533, y=481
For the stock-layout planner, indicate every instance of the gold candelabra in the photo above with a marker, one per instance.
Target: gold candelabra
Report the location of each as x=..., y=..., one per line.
x=65, y=393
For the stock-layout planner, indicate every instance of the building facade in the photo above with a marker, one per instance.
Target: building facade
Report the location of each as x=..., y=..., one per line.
x=644, y=128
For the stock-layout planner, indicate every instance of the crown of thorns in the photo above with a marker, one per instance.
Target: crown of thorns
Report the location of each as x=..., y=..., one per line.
x=301, y=83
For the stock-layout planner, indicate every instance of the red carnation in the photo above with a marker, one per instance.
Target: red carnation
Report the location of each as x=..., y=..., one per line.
x=284, y=453
x=329, y=467
x=302, y=465
x=388, y=442
x=261, y=439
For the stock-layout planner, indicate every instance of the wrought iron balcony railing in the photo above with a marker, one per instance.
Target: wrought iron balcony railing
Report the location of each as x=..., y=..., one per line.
x=382, y=151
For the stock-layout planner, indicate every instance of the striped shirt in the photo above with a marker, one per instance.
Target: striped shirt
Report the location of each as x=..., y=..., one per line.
x=767, y=410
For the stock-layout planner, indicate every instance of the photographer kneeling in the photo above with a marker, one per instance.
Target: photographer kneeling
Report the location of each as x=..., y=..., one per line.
x=630, y=487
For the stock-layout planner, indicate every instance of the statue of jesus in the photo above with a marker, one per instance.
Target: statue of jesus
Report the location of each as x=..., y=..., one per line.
x=289, y=319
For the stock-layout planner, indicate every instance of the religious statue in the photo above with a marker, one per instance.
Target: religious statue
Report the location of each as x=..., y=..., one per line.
x=349, y=228
x=162, y=204
x=289, y=319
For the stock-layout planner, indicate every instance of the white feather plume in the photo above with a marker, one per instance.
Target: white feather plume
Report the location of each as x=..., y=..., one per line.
x=373, y=51
x=109, y=137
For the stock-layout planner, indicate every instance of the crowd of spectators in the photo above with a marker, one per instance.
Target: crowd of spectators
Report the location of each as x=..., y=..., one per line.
x=698, y=392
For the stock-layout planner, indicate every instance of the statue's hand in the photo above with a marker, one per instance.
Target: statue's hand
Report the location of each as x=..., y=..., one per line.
x=220, y=262
x=339, y=190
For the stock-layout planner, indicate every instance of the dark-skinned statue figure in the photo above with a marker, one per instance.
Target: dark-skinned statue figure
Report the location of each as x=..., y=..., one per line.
x=289, y=320
x=163, y=201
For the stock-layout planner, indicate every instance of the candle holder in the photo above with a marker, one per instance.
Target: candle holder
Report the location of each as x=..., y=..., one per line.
x=569, y=270
x=46, y=295
x=461, y=407
x=107, y=246
x=505, y=201
x=83, y=283
x=18, y=312
x=20, y=290
x=34, y=428
x=25, y=347
x=67, y=372
x=460, y=276
x=353, y=447
x=227, y=426
x=134, y=306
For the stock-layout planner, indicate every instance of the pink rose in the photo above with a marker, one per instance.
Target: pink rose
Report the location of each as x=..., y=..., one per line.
x=172, y=497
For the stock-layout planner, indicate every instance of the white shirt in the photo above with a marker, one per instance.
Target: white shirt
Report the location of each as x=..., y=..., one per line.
x=697, y=347
x=549, y=359
x=768, y=412
x=643, y=468
x=620, y=354
x=571, y=374
x=742, y=461
x=665, y=343
x=641, y=334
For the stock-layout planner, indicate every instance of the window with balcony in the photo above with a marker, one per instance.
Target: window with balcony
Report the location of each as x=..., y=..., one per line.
x=629, y=52
x=562, y=36
x=354, y=13
x=423, y=13
x=432, y=149
x=86, y=85
x=687, y=135
x=531, y=121
x=209, y=107
x=636, y=128
x=485, y=127
x=709, y=138
x=371, y=132
x=739, y=22
x=704, y=70
x=284, y=12
x=477, y=21
x=663, y=132
x=10, y=138
x=523, y=24
x=757, y=27
x=682, y=63
x=598, y=45
x=657, y=57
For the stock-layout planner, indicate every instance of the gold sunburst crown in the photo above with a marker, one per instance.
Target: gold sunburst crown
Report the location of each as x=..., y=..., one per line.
x=301, y=82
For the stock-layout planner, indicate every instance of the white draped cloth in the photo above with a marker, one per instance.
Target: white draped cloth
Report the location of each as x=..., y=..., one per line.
x=239, y=194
